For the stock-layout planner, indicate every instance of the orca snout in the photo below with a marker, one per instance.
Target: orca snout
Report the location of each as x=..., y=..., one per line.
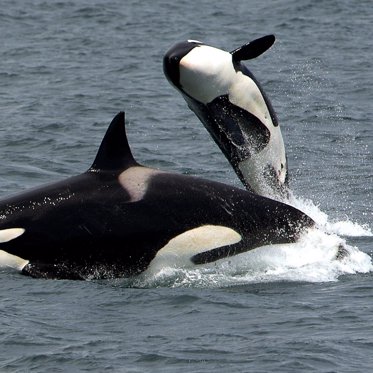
x=172, y=58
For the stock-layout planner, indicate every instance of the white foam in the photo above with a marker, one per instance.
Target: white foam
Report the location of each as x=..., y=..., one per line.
x=312, y=259
x=349, y=229
x=345, y=227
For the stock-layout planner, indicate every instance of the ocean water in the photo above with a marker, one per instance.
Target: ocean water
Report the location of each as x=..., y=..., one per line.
x=67, y=67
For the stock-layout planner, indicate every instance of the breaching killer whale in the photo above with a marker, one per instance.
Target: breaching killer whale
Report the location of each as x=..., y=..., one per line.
x=116, y=218
x=233, y=107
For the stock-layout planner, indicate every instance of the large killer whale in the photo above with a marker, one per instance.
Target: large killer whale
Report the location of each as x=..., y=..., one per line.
x=234, y=108
x=118, y=217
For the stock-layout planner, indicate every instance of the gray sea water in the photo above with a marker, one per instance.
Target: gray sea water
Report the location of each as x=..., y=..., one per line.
x=67, y=67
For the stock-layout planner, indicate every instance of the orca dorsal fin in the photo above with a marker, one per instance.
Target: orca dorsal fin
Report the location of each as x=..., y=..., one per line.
x=253, y=49
x=114, y=152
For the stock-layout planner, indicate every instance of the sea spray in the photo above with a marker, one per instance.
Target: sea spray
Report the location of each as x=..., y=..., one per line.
x=316, y=257
x=344, y=227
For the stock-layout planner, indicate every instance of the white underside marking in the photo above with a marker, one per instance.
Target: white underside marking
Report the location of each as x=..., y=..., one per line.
x=8, y=260
x=10, y=234
x=179, y=250
x=135, y=181
x=11, y=261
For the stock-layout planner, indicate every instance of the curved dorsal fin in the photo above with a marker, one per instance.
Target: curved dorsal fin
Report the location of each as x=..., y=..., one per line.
x=253, y=49
x=114, y=152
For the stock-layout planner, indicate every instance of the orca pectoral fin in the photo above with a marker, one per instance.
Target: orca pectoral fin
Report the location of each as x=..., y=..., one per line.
x=253, y=49
x=221, y=253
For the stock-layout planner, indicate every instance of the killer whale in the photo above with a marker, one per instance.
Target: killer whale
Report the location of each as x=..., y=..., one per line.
x=234, y=108
x=117, y=217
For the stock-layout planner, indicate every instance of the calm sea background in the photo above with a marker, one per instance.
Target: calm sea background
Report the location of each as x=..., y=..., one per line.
x=67, y=67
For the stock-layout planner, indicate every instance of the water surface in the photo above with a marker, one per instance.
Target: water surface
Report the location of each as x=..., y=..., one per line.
x=67, y=68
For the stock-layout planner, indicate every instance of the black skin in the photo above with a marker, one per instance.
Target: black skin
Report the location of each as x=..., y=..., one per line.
x=99, y=232
x=87, y=225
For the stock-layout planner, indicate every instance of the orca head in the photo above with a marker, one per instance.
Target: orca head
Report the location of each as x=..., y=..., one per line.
x=199, y=71
x=171, y=60
x=233, y=107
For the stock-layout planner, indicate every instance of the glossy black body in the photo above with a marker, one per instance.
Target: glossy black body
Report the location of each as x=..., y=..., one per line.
x=88, y=225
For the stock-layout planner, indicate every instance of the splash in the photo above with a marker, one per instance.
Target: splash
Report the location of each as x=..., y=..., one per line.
x=345, y=227
x=314, y=258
